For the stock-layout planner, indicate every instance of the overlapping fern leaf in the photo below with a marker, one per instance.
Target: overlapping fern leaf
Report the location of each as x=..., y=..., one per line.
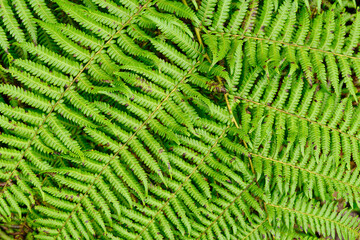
x=133, y=119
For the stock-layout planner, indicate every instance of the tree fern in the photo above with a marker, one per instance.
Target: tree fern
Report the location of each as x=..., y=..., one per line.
x=132, y=119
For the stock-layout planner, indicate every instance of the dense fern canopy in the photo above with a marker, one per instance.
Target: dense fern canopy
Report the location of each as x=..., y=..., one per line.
x=168, y=119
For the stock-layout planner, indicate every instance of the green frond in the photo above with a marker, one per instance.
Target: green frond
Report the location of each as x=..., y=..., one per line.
x=79, y=14
x=133, y=119
x=43, y=11
x=34, y=100
x=10, y=22
x=27, y=18
x=53, y=59
x=179, y=9
x=322, y=219
x=3, y=40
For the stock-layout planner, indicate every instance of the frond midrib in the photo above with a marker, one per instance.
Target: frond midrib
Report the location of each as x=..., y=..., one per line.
x=182, y=184
x=225, y=209
x=315, y=216
x=304, y=169
x=257, y=227
x=297, y=116
x=235, y=36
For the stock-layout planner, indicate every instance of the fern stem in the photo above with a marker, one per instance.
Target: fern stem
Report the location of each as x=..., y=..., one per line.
x=186, y=180
x=237, y=126
x=230, y=204
x=185, y=3
x=197, y=32
x=229, y=107
x=230, y=111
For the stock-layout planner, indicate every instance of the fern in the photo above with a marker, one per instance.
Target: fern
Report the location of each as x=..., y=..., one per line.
x=133, y=119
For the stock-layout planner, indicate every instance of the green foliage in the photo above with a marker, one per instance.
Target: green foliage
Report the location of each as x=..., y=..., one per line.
x=141, y=119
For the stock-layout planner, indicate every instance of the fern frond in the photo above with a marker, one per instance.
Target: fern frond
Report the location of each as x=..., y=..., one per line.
x=10, y=22
x=128, y=119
